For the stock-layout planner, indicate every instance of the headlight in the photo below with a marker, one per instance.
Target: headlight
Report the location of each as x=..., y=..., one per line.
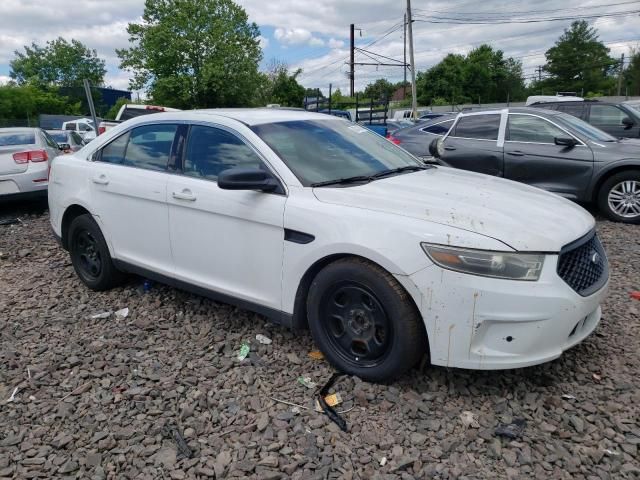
x=514, y=266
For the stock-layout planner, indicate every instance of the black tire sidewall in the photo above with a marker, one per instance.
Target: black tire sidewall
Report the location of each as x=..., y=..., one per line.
x=109, y=276
x=409, y=341
x=603, y=195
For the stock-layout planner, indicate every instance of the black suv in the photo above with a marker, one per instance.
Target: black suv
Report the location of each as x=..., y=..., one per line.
x=616, y=119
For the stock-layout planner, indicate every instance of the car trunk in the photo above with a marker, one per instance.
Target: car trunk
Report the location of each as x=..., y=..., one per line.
x=7, y=163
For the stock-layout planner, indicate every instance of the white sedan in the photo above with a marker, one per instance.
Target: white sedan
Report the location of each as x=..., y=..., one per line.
x=312, y=220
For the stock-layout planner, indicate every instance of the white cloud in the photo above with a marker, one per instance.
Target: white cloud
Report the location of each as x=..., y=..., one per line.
x=333, y=43
x=264, y=41
x=4, y=79
x=316, y=42
x=292, y=36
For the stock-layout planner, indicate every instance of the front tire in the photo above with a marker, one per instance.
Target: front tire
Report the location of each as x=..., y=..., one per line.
x=619, y=197
x=90, y=255
x=364, y=321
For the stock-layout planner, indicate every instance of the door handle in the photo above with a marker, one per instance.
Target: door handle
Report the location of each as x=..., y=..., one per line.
x=516, y=153
x=100, y=179
x=449, y=148
x=184, y=195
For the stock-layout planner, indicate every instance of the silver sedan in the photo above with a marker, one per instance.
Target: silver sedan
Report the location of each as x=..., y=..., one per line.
x=25, y=156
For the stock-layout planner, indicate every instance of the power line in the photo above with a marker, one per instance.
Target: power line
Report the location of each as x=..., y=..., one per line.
x=497, y=21
x=525, y=11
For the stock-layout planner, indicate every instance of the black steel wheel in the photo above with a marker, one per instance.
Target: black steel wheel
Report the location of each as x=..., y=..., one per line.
x=356, y=324
x=90, y=255
x=363, y=321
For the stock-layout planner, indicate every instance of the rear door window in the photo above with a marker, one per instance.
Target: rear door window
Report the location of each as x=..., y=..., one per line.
x=438, y=128
x=481, y=127
x=114, y=152
x=149, y=147
x=212, y=150
x=576, y=109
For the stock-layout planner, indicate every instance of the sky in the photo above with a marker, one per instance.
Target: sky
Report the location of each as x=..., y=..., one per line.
x=314, y=36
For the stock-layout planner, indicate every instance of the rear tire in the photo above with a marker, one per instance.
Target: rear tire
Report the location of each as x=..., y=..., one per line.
x=619, y=197
x=364, y=321
x=90, y=255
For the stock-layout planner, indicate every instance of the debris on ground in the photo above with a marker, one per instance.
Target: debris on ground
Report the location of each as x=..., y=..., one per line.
x=244, y=351
x=316, y=355
x=383, y=461
x=328, y=410
x=331, y=400
x=13, y=395
x=635, y=295
x=596, y=377
x=9, y=221
x=174, y=434
x=99, y=316
x=263, y=339
x=307, y=382
x=468, y=419
x=147, y=285
x=122, y=313
x=566, y=396
x=512, y=430
x=611, y=453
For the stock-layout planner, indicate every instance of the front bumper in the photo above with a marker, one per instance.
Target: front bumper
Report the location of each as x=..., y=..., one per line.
x=485, y=323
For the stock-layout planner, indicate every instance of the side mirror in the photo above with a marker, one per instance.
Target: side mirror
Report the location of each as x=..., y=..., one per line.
x=628, y=123
x=565, y=141
x=64, y=147
x=247, y=179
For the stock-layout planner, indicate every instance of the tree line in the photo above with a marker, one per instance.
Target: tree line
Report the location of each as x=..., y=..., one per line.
x=206, y=53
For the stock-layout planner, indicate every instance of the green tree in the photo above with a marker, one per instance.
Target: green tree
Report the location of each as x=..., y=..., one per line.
x=25, y=102
x=285, y=89
x=194, y=53
x=484, y=75
x=579, y=62
x=113, y=111
x=632, y=73
x=58, y=64
x=379, y=90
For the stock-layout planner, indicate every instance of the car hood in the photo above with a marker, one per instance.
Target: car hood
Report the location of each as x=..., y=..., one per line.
x=624, y=148
x=523, y=217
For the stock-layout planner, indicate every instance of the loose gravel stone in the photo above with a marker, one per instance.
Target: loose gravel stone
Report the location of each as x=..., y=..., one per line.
x=95, y=393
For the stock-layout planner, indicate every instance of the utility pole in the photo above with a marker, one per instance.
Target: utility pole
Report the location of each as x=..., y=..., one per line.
x=621, y=71
x=404, y=39
x=92, y=108
x=352, y=63
x=539, y=69
x=414, y=100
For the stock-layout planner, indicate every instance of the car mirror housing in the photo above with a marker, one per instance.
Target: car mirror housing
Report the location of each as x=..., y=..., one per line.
x=247, y=179
x=565, y=141
x=64, y=146
x=628, y=123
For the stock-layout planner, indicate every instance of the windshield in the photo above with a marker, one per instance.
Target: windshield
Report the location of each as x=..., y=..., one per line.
x=636, y=107
x=589, y=131
x=324, y=150
x=17, y=138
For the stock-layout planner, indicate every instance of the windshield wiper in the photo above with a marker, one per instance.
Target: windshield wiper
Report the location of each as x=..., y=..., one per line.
x=344, y=181
x=408, y=168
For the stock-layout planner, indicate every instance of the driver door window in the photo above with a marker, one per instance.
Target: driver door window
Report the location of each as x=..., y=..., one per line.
x=530, y=129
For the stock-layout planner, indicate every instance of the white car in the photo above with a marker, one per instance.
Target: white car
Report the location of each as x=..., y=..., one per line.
x=312, y=220
x=25, y=154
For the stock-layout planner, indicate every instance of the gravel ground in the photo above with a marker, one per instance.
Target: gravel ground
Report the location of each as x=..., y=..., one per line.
x=94, y=394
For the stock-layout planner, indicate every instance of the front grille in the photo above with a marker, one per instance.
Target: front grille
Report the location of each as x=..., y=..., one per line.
x=583, y=265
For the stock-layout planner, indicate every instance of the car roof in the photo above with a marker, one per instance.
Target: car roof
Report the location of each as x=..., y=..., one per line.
x=248, y=116
x=18, y=129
